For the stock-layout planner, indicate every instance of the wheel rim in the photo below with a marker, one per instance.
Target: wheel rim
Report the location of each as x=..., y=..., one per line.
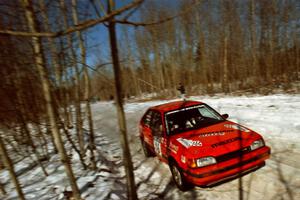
x=177, y=175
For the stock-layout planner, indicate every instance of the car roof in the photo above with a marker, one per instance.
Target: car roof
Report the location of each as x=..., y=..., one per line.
x=175, y=105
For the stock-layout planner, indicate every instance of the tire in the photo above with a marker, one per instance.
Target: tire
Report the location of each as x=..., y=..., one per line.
x=146, y=150
x=179, y=178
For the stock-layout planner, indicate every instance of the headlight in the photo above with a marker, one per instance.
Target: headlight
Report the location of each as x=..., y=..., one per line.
x=257, y=144
x=201, y=162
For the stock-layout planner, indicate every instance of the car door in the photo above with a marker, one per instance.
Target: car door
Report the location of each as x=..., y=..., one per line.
x=146, y=130
x=159, y=142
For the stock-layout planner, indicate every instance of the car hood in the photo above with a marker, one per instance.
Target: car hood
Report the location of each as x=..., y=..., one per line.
x=214, y=140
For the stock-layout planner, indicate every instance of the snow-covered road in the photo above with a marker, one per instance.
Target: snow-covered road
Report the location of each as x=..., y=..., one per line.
x=276, y=117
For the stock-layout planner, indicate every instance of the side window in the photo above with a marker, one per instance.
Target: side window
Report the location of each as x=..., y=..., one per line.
x=156, y=124
x=147, y=118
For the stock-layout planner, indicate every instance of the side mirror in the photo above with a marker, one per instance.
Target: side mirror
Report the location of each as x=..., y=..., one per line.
x=225, y=116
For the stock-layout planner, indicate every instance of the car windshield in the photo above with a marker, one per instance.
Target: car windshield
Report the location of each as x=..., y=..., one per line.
x=191, y=118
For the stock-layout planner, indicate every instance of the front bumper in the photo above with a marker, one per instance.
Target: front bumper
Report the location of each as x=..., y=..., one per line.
x=227, y=170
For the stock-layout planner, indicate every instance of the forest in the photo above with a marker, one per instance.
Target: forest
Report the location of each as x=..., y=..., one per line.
x=60, y=57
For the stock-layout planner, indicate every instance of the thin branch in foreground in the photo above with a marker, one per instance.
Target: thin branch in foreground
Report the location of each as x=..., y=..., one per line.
x=81, y=26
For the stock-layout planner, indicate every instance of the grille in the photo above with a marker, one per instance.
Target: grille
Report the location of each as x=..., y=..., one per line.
x=233, y=154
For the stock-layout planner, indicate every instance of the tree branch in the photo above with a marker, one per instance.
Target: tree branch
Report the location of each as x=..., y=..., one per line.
x=125, y=21
x=84, y=25
x=132, y=12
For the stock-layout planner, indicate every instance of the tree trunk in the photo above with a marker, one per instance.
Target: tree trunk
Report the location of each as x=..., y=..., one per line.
x=254, y=61
x=87, y=85
x=9, y=166
x=131, y=189
x=57, y=68
x=43, y=140
x=40, y=64
x=130, y=65
x=3, y=191
x=79, y=123
x=79, y=129
x=22, y=115
x=33, y=147
x=157, y=64
x=225, y=65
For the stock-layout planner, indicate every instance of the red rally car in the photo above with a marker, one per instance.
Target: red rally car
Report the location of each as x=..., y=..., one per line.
x=201, y=147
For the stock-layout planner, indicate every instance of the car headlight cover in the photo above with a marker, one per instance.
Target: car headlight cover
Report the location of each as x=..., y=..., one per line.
x=257, y=144
x=201, y=162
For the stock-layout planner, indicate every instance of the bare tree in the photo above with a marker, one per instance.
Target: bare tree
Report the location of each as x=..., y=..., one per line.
x=131, y=189
x=40, y=65
x=87, y=86
x=77, y=92
x=9, y=166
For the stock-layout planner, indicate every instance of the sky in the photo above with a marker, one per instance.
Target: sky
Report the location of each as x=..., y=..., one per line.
x=98, y=39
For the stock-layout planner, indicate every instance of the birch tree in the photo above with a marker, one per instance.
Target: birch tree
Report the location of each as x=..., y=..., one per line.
x=9, y=166
x=87, y=86
x=131, y=188
x=40, y=65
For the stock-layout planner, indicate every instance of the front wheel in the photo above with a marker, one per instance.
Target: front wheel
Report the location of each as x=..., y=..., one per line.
x=179, y=179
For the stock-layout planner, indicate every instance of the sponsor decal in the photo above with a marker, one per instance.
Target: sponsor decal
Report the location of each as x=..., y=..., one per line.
x=225, y=142
x=183, y=109
x=216, y=133
x=157, y=146
x=189, y=143
x=236, y=127
x=173, y=148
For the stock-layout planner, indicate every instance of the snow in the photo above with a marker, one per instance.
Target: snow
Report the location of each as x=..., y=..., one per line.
x=276, y=117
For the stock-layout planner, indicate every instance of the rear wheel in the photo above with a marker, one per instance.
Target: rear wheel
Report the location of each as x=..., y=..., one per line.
x=178, y=178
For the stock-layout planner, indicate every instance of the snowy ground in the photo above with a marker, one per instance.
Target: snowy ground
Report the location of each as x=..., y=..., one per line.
x=276, y=117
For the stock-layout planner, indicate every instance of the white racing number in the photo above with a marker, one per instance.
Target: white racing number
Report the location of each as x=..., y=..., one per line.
x=189, y=143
